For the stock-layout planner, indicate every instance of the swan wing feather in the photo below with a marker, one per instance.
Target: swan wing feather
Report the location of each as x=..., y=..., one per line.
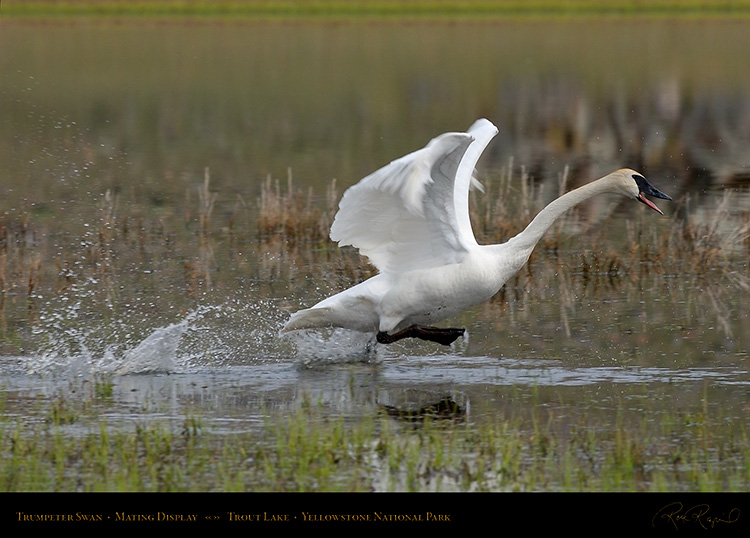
x=403, y=215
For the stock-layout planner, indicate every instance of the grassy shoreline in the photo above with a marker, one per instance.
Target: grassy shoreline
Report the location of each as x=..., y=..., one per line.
x=377, y=9
x=69, y=446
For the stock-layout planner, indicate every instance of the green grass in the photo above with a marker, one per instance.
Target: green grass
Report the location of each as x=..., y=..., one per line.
x=67, y=446
x=265, y=9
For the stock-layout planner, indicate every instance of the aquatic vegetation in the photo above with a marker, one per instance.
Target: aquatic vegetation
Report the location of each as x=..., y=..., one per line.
x=307, y=450
x=293, y=216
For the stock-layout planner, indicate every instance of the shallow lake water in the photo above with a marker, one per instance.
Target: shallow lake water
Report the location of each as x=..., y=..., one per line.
x=112, y=128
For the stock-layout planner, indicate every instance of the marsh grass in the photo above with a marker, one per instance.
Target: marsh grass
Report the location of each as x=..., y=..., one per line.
x=292, y=215
x=75, y=449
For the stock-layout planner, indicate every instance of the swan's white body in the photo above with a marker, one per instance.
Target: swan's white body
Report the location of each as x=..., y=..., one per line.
x=411, y=219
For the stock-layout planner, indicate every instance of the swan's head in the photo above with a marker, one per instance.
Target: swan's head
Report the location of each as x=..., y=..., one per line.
x=636, y=186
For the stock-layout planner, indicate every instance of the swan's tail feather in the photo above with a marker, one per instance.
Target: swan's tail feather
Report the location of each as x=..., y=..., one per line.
x=309, y=318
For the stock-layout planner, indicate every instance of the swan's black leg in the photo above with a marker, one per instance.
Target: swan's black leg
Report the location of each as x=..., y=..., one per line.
x=432, y=334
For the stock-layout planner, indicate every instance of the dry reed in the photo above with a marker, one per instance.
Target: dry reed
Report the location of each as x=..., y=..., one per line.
x=293, y=215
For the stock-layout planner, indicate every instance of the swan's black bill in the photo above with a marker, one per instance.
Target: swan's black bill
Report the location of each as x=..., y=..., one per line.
x=644, y=187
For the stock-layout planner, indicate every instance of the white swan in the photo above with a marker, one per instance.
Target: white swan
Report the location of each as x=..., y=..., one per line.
x=411, y=219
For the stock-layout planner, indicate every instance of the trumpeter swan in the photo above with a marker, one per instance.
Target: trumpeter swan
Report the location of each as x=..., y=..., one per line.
x=411, y=219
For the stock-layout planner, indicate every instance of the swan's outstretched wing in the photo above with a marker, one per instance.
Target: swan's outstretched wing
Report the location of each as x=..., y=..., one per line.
x=404, y=216
x=482, y=131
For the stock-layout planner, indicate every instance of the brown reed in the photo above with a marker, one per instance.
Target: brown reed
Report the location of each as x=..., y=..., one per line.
x=292, y=214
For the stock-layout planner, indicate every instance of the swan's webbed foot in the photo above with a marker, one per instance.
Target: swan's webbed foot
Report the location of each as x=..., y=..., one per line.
x=432, y=334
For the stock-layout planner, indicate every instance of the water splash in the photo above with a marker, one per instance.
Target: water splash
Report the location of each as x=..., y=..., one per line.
x=157, y=353
x=79, y=351
x=336, y=346
x=233, y=333
x=81, y=335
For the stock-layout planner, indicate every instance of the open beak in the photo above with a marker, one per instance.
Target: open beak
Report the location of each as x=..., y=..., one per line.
x=649, y=203
x=644, y=187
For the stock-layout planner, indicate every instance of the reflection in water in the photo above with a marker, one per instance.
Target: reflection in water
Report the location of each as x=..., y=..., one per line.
x=444, y=409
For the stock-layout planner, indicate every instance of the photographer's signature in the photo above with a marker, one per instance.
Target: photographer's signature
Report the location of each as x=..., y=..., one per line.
x=679, y=515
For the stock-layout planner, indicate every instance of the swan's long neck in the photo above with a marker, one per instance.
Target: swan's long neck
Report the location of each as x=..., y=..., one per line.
x=527, y=239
